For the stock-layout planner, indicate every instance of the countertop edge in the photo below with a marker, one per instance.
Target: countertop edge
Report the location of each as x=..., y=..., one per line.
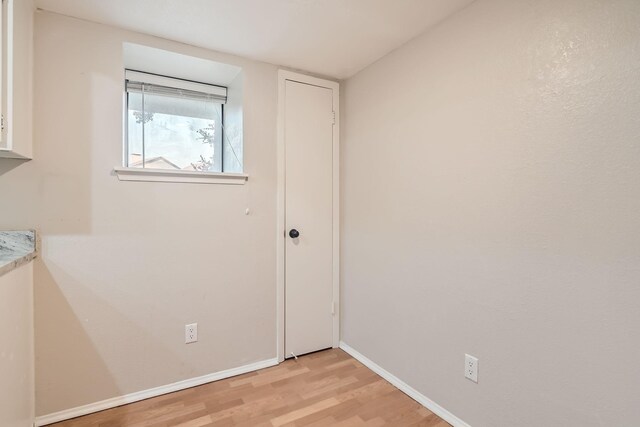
x=12, y=265
x=25, y=248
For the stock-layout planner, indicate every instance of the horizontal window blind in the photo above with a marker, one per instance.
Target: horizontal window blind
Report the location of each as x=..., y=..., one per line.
x=137, y=82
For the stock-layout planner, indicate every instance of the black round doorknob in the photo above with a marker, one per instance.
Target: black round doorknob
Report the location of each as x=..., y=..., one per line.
x=294, y=234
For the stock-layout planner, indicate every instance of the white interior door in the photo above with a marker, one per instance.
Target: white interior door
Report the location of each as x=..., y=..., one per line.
x=308, y=134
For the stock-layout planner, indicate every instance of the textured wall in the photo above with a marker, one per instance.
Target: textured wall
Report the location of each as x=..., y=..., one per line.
x=491, y=206
x=125, y=265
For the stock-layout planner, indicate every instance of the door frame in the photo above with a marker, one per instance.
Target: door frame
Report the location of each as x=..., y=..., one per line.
x=283, y=76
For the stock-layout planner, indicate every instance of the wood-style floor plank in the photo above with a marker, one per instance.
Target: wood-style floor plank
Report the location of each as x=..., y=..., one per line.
x=328, y=388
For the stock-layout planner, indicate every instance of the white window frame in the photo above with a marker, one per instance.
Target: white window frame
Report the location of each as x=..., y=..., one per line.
x=125, y=173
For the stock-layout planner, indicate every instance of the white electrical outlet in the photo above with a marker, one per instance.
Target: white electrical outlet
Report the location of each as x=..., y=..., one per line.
x=471, y=367
x=190, y=333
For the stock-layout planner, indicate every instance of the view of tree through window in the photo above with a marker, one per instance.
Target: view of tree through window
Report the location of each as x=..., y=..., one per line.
x=173, y=132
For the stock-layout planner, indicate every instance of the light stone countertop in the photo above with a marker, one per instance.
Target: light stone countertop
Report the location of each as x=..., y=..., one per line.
x=16, y=248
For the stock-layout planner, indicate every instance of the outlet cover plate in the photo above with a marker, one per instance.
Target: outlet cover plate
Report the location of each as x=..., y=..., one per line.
x=190, y=333
x=471, y=367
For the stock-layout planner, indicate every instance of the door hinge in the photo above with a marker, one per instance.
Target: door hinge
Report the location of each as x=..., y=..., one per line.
x=333, y=308
x=2, y=123
x=334, y=117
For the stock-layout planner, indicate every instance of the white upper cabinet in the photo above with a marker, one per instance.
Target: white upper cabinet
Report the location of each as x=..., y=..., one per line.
x=16, y=72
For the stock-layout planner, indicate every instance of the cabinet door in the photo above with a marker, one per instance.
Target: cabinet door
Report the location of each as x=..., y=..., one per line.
x=16, y=72
x=3, y=62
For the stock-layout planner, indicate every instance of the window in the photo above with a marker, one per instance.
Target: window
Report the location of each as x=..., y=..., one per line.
x=175, y=124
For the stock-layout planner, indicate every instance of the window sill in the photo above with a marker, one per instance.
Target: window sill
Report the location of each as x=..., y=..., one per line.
x=161, y=175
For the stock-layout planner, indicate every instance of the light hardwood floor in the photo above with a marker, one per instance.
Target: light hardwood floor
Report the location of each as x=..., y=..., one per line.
x=327, y=388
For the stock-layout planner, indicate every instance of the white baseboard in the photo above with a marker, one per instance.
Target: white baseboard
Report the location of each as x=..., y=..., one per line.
x=153, y=392
x=405, y=388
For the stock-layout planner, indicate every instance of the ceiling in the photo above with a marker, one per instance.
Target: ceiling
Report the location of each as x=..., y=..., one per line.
x=334, y=38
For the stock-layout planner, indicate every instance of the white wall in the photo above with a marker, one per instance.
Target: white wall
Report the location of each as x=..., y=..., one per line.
x=16, y=348
x=491, y=206
x=125, y=265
